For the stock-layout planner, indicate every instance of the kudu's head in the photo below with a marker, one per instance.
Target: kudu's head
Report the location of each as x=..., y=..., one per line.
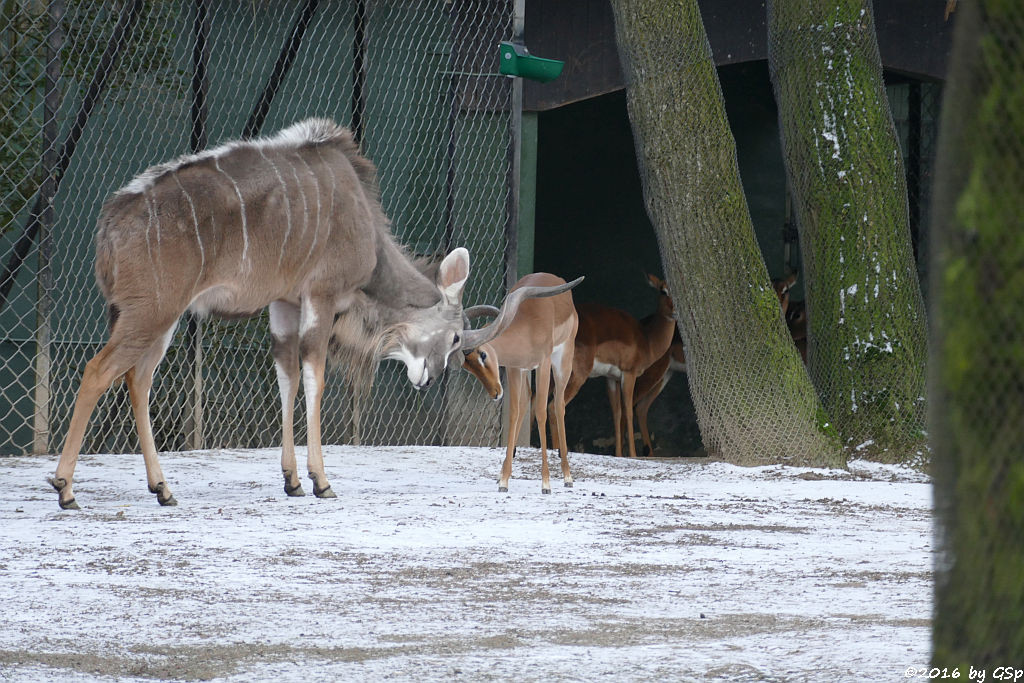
x=427, y=338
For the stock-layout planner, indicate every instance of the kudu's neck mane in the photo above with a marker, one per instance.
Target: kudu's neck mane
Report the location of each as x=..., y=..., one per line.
x=396, y=282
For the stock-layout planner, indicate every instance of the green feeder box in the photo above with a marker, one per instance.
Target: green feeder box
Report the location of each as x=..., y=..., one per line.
x=516, y=60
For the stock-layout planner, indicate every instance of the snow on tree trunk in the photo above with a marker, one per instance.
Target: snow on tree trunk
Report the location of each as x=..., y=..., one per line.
x=753, y=399
x=866, y=339
x=976, y=397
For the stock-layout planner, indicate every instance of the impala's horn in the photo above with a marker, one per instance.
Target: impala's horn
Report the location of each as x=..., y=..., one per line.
x=471, y=339
x=474, y=312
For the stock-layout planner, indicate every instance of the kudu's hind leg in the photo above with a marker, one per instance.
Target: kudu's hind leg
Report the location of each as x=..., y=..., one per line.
x=284, y=328
x=140, y=382
x=106, y=366
x=315, y=328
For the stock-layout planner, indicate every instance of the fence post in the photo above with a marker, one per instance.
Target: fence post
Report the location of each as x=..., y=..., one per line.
x=512, y=225
x=44, y=273
x=198, y=140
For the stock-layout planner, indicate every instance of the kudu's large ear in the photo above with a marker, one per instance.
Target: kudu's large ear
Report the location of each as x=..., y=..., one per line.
x=504, y=316
x=452, y=275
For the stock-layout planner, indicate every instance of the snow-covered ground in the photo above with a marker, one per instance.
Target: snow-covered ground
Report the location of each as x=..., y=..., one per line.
x=421, y=570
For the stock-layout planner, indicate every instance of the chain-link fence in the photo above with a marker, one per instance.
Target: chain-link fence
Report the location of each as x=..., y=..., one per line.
x=752, y=397
x=866, y=338
x=977, y=338
x=94, y=92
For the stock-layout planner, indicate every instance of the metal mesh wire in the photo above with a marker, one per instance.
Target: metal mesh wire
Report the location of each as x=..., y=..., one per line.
x=417, y=81
x=866, y=337
x=976, y=411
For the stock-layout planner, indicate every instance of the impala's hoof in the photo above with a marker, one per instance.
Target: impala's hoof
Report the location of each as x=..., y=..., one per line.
x=502, y=489
x=163, y=495
x=545, y=490
x=647, y=451
x=59, y=485
x=568, y=484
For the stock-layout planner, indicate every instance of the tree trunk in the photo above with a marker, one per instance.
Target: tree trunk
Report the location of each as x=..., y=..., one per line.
x=754, y=402
x=976, y=413
x=867, y=325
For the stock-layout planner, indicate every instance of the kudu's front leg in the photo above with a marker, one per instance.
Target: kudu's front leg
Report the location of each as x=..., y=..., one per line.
x=314, y=331
x=284, y=328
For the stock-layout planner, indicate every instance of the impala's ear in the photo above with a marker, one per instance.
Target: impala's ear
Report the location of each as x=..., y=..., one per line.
x=452, y=275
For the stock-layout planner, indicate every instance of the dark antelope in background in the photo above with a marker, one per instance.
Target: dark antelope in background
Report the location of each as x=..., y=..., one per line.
x=292, y=222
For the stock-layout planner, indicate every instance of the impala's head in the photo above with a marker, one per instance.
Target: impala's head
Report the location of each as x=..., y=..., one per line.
x=427, y=338
x=665, y=305
x=482, y=363
x=782, y=287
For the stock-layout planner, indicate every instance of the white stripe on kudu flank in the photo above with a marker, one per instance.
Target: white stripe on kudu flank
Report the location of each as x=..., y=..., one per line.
x=152, y=219
x=199, y=237
x=334, y=183
x=316, y=182
x=241, y=206
x=287, y=204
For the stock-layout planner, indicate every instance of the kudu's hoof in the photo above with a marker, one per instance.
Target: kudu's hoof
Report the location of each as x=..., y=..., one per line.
x=293, y=491
x=324, y=492
x=163, y=496
x=59, y=485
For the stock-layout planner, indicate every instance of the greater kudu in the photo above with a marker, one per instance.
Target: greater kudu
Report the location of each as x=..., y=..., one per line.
x=292, y=222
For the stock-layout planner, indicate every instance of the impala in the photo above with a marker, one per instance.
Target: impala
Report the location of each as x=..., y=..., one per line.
x=540, y=337
x=796, y=321
x=782, y=287
x=654, y=379
x=613, y=344
x=291, y=222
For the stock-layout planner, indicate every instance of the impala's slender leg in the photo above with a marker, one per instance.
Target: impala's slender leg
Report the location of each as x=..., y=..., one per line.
x=642, y=408
x=561, y=369
x=284, y=328
x=109, y=364
x=628, y=383
x=615, y=400
x=314, y=330
x=516, y=407
x=140, y=382
x=540, y=409
x=580, y=365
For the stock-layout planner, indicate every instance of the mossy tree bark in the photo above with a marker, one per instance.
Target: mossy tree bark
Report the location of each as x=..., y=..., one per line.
x=866, y=339
x=976, y=411
x=754, y=401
